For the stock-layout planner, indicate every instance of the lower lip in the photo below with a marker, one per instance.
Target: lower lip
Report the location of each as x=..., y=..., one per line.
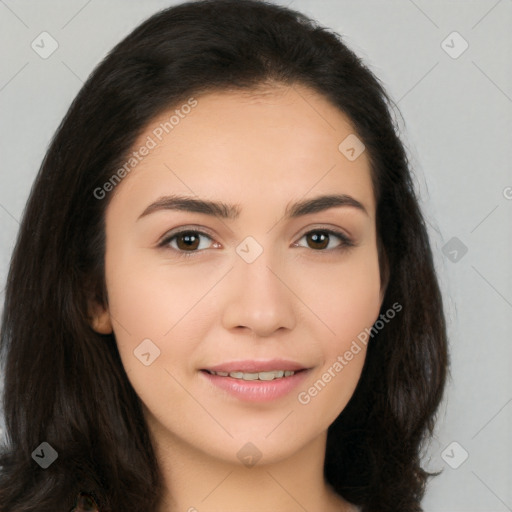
x=257, y=390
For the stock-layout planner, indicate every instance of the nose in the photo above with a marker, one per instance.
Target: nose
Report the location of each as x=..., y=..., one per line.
x=260, y=298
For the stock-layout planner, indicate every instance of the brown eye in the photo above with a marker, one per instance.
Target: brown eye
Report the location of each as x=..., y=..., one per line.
x=320, y=240
x=187, y=241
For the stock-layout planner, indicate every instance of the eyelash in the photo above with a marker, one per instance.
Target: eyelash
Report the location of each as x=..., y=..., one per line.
x=346, y=242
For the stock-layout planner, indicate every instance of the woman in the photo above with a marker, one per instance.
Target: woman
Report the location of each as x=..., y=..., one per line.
x=222, y=295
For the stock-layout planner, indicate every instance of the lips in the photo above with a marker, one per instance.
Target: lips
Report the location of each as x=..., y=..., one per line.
x=254, y=366
x=256, y=381
x=274, y=374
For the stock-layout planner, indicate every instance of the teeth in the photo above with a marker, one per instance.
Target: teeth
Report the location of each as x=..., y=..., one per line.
x=271, y=375
x=276, y=374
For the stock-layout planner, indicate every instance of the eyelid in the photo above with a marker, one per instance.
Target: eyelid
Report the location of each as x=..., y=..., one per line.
x=334, y=230
x=164, y=240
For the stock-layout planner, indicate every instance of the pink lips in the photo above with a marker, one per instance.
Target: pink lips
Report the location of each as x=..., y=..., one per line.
x=256, y=366
x=256, y=390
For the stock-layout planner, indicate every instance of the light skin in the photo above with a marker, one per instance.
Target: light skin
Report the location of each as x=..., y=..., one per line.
x=301, y=299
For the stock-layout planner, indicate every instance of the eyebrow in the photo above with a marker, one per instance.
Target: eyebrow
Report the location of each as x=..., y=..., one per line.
x=232, y=211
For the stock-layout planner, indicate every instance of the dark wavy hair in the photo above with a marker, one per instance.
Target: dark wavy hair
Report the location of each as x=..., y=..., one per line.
x=65, y=384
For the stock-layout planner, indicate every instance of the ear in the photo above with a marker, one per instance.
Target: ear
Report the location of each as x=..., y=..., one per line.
x=99, y=317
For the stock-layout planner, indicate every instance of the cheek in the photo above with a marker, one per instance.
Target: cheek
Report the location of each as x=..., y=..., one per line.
x=151, y=300
x=344, y=297
x=163, y=305
x=346, y=301
x=149, y=291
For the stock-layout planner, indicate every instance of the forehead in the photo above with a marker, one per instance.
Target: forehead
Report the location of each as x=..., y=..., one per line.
x=266, y=145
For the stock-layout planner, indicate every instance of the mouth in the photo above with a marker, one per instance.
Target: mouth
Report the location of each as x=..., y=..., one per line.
x=264, y=376
x=255, y=381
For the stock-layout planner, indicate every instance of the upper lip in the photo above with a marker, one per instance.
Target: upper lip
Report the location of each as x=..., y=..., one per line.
x=254, y=366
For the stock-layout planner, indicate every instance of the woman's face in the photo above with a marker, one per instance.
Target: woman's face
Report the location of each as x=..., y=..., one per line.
x=270, y=279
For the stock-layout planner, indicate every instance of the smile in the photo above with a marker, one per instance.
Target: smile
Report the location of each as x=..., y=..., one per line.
x=254, y=386
x=271, y=375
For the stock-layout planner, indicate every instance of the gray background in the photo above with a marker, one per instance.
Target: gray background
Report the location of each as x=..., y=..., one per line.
x=458, y=122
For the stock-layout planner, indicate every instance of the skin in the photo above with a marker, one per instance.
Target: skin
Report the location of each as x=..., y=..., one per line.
x=261, y=151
